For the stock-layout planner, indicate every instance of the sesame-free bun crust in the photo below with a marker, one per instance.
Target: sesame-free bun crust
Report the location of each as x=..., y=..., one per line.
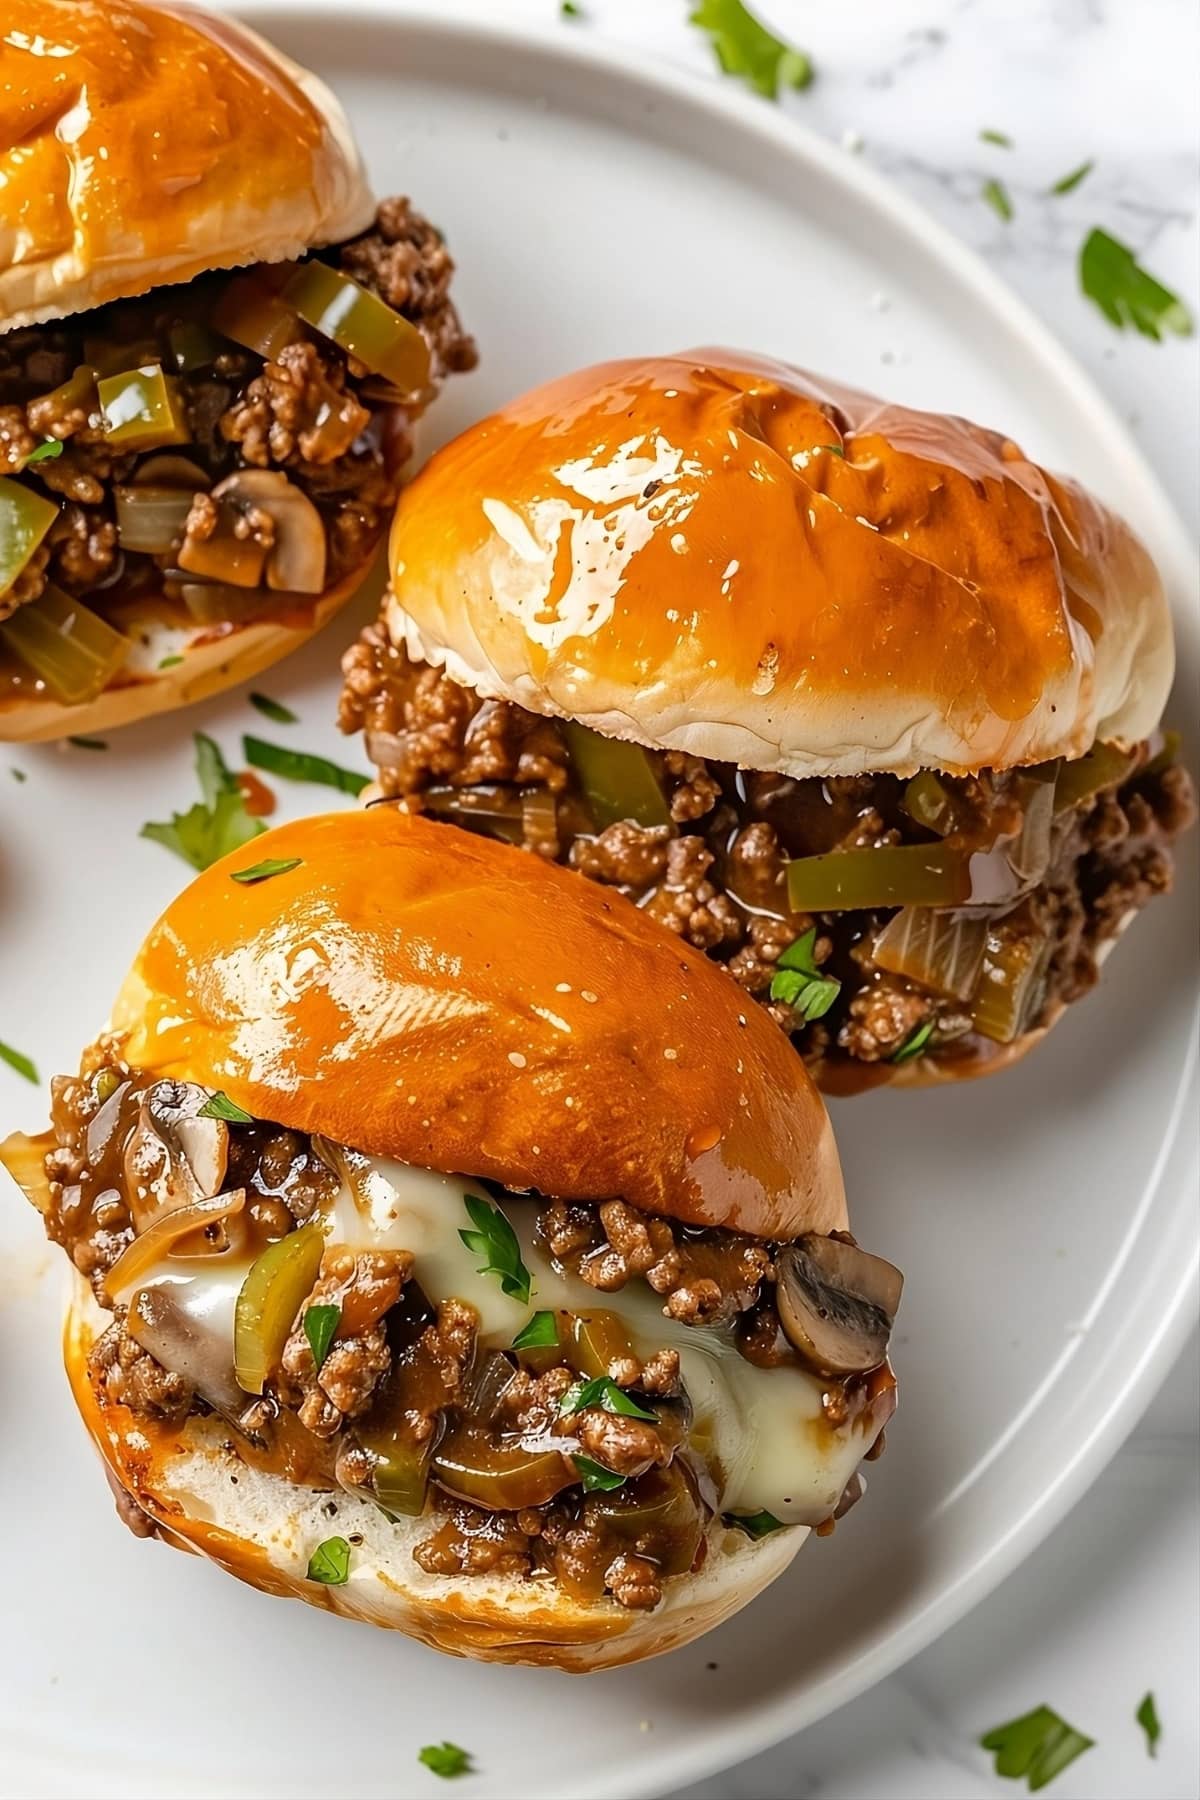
x=467, y=1007
x=718, y=553
x=263, y=1529
x=141, y=145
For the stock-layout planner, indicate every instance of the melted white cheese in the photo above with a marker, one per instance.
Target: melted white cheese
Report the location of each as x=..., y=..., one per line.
x=762, y=1430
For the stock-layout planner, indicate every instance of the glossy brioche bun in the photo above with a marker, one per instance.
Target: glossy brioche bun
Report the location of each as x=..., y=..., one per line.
x=721, y=554
x=141, y=145
x=264, y=1528
x=464, y=1006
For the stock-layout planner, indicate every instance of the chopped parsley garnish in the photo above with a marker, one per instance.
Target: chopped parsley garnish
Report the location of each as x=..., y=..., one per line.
x=320, y=1323
x=595, y=1477
x=800, y=984
x=20, y=1063
x=996, y=195
x=220, y=1106
x=298, y=765
x=217, y=824
x=263, y=871
x=833, y=450
x=540, y=1332
x=274, y=709
x=601, y=1390
x=1067, y=184
x=755, y=1525
x=495, y=1239
x=1147, y=1717
x=996, y=137
x=330, y=1562
x=1127, y=294
x=914, y=1044
x=744, y=47
x=45, y=452
x=170, y=662
x=18, y=775
x=1035, y=1748
x=446, y=1760
x=86, y=743
x=569, y=10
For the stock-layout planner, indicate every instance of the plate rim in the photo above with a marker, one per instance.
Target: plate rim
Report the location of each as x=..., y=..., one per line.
x=642, y=74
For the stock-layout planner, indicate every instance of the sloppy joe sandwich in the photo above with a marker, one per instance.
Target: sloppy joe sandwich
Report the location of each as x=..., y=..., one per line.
x=457, y=1250
x=213, y=348
x=857, y=699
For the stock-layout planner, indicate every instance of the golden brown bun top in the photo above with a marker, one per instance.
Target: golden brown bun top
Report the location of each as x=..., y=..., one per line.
x=140, y=145
x=718, y=553
x=464, y=1006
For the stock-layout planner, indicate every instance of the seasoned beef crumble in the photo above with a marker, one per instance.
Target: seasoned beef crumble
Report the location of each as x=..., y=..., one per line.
x=308, y=412
x=399, y=1381
x=715, y=874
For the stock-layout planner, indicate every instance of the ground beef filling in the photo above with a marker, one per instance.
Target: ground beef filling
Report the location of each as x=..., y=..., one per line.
x=399, y=1402
x=309, y=413
x=715, y=874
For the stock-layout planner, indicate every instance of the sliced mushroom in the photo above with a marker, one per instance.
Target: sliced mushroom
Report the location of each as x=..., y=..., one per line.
x=267, y=528
x=188, y=1346
x=173, y=1156
x=836, y=1304
x=171, y=471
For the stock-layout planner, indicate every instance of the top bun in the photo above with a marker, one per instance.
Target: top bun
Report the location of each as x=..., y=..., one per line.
x=717, y=553
x=141, y=145
x=463, y=1006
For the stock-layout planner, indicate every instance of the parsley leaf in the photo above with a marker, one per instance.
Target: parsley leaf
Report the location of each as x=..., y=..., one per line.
x=218, y=823
x=914, y=1043
x=446, y=1760
x=263, y=871
x=744, y=47
x=45, y=452
x=1067, y=184
x=601, y=1390
x=18, y=775
x=996, y=137
x=220, y=1106
x=495, y=1239
x=1147, y=1717
x=320, y=1323
x=170, y=662
x=1126, y=294
x=20, y=1063
x=1038, y=1746
x=540, y=1332
x=569, y=10
x=86, y=743
x=755, y=1525
x=298, y=765
x=274, y=709
x=330, y=1562
x=800, y=984
x=996, y=195
x=595, y=1477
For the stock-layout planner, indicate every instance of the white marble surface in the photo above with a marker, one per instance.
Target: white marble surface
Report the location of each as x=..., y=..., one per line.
x=1107, y=1607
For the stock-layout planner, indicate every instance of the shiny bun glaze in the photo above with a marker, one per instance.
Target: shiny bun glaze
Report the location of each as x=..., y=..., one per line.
x=718, y=553
x=466, y=1007
x=140, y=145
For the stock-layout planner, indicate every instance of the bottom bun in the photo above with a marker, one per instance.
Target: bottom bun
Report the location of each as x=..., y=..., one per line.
x=210, y=660
x=201, y=1495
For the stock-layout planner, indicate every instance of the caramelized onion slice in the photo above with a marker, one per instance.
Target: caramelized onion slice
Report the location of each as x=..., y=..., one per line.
x=936, y=949
x=1011, y=985
x=836, y=1304
x=151, y=1245
x=25, y=1159
x=504, y=1475
x=151, y=520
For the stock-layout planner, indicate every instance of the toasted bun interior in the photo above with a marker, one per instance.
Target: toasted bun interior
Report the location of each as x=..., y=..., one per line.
x=141, y=145
x=718, y=553
x=466, y=1007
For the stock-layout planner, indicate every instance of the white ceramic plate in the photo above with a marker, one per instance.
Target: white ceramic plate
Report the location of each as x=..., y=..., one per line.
x=1045, y=1220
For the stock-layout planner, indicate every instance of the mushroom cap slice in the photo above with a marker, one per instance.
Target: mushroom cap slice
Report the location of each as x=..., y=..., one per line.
x=836, y=1304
